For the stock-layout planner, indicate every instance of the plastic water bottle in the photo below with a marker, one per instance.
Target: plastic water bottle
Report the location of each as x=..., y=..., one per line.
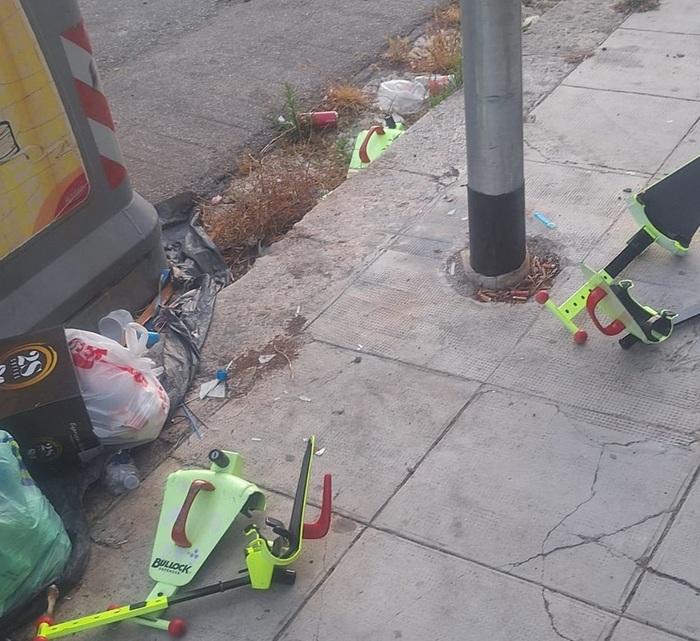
x=121, y=474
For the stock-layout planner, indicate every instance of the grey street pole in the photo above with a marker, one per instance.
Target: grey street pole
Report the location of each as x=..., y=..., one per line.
x=493, y=99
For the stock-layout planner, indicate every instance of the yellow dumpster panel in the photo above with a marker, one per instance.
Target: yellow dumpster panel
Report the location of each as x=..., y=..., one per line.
x=42, y=175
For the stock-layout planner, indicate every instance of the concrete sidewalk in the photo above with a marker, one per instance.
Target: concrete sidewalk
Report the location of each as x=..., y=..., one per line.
x=493, y=481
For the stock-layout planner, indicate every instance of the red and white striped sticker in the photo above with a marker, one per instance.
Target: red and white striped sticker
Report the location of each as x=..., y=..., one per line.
x=76, y=44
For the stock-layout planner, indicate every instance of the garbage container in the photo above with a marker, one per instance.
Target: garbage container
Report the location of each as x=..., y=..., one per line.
x=75, y=240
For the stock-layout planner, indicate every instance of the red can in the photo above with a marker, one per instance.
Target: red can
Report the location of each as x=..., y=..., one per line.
x=321, y=119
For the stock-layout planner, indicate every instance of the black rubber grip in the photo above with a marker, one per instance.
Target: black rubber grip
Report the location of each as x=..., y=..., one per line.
x=218, y=457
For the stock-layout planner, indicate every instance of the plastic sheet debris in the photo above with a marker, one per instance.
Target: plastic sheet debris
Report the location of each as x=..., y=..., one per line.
x=404, y=97
x=306, y=399
x=216, y=388
x=265, y=358
x=199, y=272
x=213, y=389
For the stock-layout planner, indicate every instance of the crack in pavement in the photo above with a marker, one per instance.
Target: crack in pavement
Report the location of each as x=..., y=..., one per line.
x=544, y=542
x=547, y=609
x=542, y=553
x=674, y=579
x=586, y=540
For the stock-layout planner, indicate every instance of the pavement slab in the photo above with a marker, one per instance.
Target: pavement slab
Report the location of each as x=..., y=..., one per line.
x=317, y=260
x=630, y=60
x=669, y=594
x=654, y=387
x=583, y=203
x=670, y=272
x=679, y=16
x=426, y=594
x=612, y=129
x=687, y=150
x=631, y=631
x=371, y=436
x=404, y=307
x=529, y=489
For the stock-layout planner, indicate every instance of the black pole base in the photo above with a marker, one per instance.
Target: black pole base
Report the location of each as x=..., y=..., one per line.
x=496, y=232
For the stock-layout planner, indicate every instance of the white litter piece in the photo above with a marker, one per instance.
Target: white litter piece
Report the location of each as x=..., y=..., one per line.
x=451, y=212
x=528, y=22
x=452, y=269
x=265, y=358
x=320, y=452
x=465, y=218
x=359, y=347
x=401, y=96
x=306, y=399
x=216, y=200
x=257, y=440
x=213, y=389
x=298, y=310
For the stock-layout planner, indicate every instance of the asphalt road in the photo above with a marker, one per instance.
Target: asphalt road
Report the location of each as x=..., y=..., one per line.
x=193, y=83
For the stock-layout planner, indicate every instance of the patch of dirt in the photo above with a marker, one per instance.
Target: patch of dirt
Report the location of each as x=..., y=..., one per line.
x=578, y=56
x=247, y=368
x=295, y=326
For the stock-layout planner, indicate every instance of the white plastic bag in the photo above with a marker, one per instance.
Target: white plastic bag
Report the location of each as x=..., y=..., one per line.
x=123, y=396
x=402, y=96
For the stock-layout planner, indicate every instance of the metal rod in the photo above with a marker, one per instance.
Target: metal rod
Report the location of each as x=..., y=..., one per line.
x=221, y=586
x=493, y=99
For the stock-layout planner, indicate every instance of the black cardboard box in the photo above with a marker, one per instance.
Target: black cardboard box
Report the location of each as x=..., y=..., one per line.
x=40, y=402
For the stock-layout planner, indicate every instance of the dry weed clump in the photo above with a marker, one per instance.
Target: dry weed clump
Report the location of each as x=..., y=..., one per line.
x=276, y=193
x=398, y=51
x=447, y=17
x=441, y=54
x=346, y=99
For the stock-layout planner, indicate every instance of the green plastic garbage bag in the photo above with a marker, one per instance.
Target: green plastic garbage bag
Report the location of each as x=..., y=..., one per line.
x=34, y=546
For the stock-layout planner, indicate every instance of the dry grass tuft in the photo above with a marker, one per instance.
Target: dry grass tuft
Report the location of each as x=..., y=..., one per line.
x=346, y=99
x=633, y=6
x=446, y=17
x=246, y=164
x=442, y=53
x=398, y=51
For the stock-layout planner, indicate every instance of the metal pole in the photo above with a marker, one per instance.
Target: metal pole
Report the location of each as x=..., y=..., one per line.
x=493, y=99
